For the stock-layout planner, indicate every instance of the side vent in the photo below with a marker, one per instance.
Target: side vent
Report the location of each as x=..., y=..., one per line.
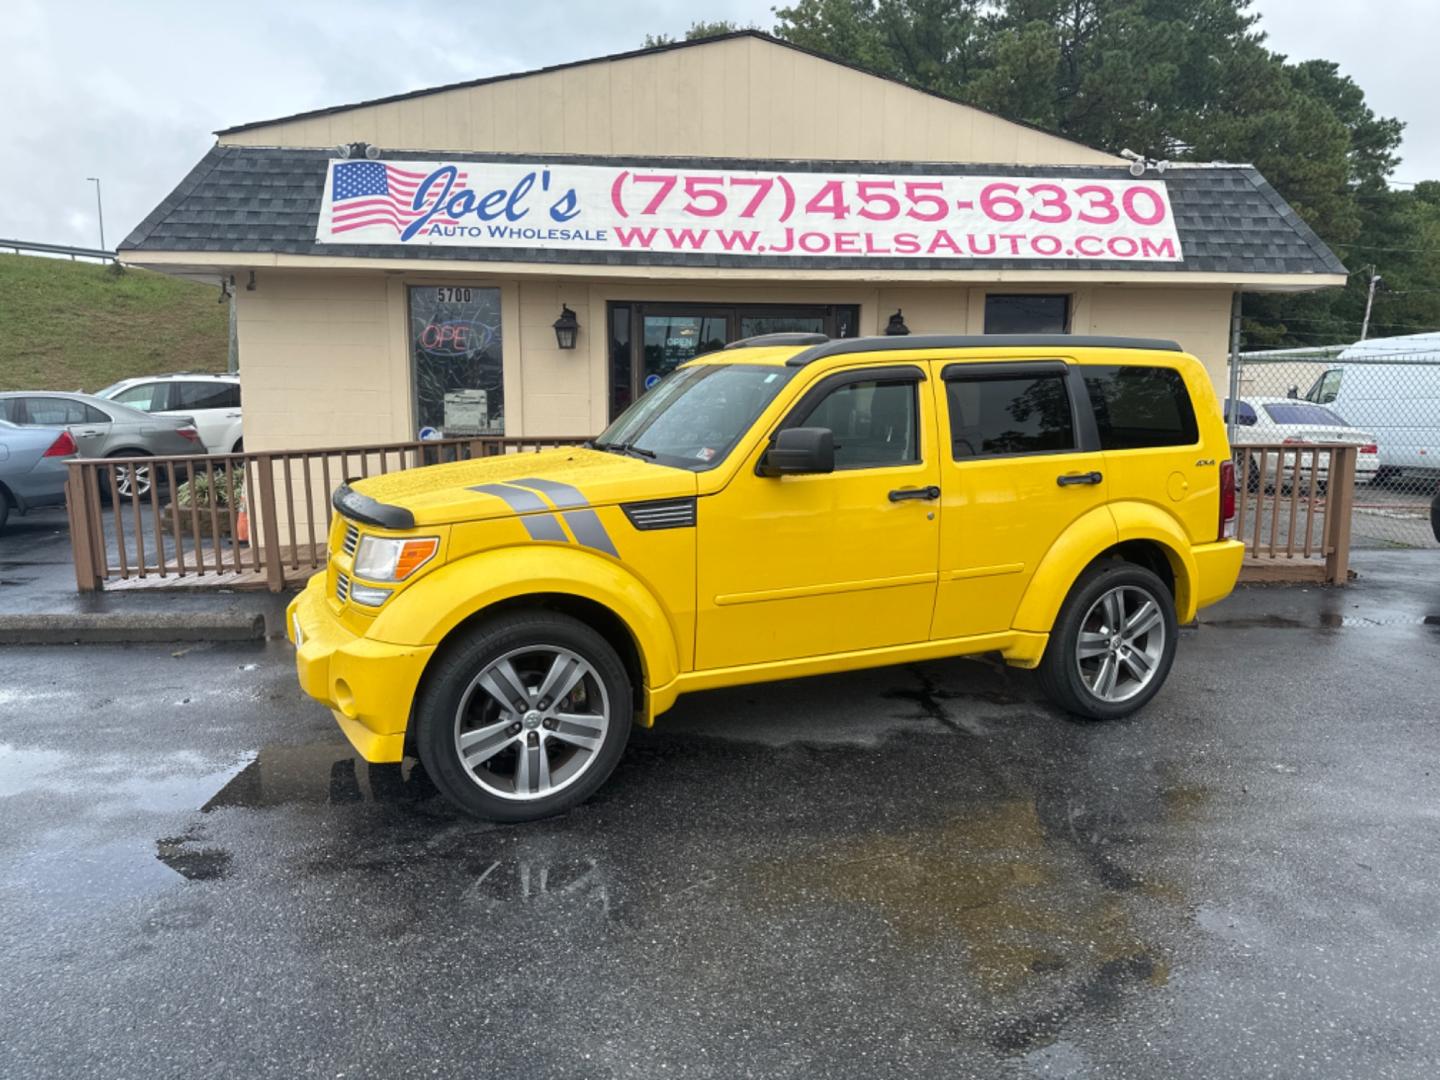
x=663, y=514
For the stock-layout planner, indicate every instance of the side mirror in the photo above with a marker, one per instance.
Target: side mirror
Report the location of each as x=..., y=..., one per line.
x=1293, y=392
x=799, y=450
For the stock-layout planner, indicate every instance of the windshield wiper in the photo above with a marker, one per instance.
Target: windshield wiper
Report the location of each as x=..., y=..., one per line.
x=623, y=448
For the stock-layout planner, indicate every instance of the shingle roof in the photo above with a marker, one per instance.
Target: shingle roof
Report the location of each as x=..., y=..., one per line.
x=267, y=199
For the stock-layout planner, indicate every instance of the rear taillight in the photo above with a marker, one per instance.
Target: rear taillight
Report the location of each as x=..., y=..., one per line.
x=1369, y=448
x=1227, y=497
x=188, y=433
x=64, y=446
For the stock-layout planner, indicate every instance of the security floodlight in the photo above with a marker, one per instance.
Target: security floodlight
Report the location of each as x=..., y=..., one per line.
x=1137, y=167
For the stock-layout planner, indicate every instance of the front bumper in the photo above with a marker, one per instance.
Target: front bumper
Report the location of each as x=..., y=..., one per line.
x=368, y=685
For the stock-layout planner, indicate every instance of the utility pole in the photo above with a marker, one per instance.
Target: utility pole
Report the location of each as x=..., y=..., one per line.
x=99, y=209
x=1375, y=279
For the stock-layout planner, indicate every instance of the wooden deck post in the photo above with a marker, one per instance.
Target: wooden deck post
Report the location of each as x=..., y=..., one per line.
x=82, y=540
x=269, y=526
x=1341, y=505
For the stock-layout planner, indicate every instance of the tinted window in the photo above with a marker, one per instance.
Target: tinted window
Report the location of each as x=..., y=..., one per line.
x=143, y=397
x=206, y=395
x=1023, y=415
x=874, y=423
x=58, y=412
x=1141, y=406
x=1244, y=414
x=1292, y=412
x=1027, y=314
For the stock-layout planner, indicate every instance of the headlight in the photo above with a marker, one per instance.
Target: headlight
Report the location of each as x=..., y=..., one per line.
x=379, y=558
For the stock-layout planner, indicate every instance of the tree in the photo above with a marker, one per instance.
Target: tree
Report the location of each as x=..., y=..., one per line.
x=1172, y=79
x=698, y=29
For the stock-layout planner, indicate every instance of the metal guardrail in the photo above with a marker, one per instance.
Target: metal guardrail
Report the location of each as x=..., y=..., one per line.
x=1294, y=505
x=22, y=246
x=258, y=520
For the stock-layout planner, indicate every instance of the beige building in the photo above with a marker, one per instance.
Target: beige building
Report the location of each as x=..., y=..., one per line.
x=400, y=265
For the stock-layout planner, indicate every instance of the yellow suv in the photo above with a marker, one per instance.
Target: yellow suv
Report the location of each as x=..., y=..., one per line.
x=788, y=506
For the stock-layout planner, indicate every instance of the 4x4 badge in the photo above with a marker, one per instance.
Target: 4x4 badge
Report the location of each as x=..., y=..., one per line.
x=1203, y=462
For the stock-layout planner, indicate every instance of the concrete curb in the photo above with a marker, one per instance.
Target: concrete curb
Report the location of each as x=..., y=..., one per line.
x=130, y=627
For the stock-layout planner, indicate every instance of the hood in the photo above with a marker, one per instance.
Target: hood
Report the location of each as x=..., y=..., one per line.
x=442, y=494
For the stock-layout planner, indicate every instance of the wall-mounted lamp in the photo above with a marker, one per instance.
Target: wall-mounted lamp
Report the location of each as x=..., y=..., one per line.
x=250, y=285
x=567, y=328
x=896, y=326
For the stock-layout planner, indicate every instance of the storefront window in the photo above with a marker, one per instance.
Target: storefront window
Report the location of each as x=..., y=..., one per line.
x=455, y=352
x=1027, y=313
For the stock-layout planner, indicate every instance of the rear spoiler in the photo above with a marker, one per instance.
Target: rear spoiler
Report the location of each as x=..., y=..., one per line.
x=368, y=511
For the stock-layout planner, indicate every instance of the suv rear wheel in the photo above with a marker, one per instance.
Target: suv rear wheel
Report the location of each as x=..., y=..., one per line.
x=1112, y=646
x=525, y=717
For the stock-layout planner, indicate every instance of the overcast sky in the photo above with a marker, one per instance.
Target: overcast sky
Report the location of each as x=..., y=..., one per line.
x=131, y=92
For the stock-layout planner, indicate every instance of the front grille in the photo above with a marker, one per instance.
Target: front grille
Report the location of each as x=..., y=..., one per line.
x=351, y=541
x=342, y=587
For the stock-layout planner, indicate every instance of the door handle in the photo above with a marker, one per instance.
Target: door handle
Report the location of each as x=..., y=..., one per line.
x=901, y=494
x=87, y=431
x=1069, y=479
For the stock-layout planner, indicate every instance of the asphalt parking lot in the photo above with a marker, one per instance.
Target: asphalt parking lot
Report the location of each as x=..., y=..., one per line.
x=919, y=871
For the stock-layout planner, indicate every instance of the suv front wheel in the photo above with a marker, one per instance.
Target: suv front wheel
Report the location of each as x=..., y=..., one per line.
x=1113, y=643
x=524, y=717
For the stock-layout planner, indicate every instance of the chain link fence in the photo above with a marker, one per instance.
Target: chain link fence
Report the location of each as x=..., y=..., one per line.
x=1387, y=403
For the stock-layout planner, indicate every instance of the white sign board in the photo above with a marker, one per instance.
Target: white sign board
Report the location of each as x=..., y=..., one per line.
x=736, y=212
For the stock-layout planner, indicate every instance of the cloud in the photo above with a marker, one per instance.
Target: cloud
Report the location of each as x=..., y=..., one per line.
x=131, y=92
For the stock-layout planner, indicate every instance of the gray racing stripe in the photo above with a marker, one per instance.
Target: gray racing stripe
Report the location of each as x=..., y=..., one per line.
x=519, y=500
x=531, y=508
x=562, y=495
x=589, y=530
x=583, y=521
x=544, y=527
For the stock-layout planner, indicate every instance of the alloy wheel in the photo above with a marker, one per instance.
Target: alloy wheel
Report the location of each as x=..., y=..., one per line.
x=1121, y=643
x=132, y=481
x=532, y=722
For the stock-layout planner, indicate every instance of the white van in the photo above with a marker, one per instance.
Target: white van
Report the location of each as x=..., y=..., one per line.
x=1390, y=387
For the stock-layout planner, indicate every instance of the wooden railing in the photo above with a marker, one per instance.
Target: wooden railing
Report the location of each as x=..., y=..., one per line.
x=1293, y=510
x=262, y=519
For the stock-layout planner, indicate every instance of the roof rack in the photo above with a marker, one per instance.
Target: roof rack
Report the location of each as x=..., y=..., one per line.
x=913, y=343
x=778, y=339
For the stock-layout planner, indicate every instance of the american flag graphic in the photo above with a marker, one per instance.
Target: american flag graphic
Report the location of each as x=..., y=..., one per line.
x=366, y=193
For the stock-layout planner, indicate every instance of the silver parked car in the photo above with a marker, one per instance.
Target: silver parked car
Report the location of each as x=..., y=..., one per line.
x=102, y=428
x=32, y=467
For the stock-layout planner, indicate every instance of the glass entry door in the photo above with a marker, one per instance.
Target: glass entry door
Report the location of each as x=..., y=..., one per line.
x=648, y=341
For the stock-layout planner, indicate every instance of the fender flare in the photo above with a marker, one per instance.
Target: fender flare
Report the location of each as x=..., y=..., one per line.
x=1086, y=539
x=427, y=611
x=1146, y=521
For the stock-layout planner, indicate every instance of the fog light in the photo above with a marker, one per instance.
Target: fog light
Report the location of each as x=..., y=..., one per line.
x=369, y=595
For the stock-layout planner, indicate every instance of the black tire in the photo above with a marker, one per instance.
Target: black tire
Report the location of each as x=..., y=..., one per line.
x=464, y=661
x=239, y=447
x=1434, y=518
x=4, y=508
x=1059, y=671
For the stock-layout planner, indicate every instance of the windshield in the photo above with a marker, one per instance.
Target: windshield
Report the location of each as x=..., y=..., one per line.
x=1301, y=413
x=694, y=417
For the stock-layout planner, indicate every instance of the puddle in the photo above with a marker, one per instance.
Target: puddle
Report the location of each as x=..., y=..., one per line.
x=318, y=774
x=1326, y=620
x=113, y=783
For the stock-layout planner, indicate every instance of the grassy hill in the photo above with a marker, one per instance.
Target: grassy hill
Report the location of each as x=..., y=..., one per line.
x=80, y=326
